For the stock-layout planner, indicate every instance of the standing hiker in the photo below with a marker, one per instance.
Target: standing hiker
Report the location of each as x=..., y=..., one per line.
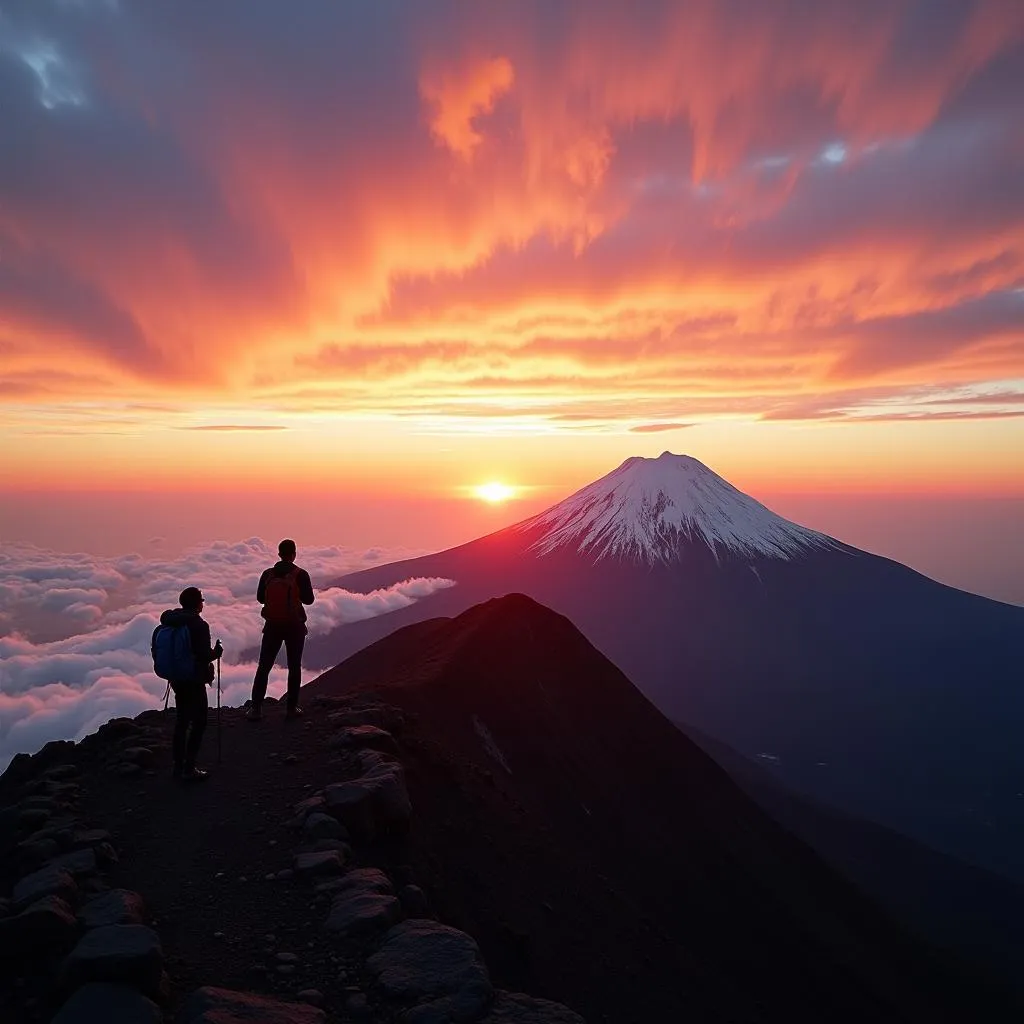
x=182, y=654
x=283, y=589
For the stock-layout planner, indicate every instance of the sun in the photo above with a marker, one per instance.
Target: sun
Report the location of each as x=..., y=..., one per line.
x=494, y=492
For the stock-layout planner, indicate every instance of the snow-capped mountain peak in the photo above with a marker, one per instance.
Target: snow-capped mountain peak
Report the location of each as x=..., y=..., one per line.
x=651, y=510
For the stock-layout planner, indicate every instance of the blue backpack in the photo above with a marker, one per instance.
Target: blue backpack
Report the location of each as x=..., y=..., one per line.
x=172, y=653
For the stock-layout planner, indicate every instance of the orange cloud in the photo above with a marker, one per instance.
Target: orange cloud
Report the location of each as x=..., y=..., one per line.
x=609, y=215
x=459, y=96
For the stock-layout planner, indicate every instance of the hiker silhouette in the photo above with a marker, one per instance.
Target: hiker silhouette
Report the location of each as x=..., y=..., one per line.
x=190, y=702
x=283, y=590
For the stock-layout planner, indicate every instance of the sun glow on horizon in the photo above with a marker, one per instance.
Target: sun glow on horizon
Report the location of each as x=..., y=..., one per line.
x=494, y=492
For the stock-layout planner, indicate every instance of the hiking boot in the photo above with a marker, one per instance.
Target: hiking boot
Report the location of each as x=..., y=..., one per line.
x=254, y=714
x=295, y=712
x=193, y=774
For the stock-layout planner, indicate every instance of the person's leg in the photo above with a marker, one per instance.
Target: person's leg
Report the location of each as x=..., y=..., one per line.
x=199, y=705
x=182, y=718
x=269, y=648
x=293, y=644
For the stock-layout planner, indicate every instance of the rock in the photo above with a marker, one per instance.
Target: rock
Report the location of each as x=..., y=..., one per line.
x=380, y=715
x=310, y=804
x=118, y=906
x=313, y=996
x=360, y=912
x=61, y=771
x=322, y=826
x=78, y=863
x=351, y=804
x=357, y=1006
x=414, y=901
x=516, y=1008
x=211, y=1005
x=105, y=854
x=365, y=880
x=48, y=924
x=48, y=881
x=89, y=837
x=60, y=830
x=142, y=756
x=426, y=962
x=33, y=853
x=33, y=817
x=99, y=1001
x=39, y=802
x=121, y=953
x=127, y=769
x=357, y=737
x=288, y=958
x=328, y=862
x=285, y=968
x=323, y=845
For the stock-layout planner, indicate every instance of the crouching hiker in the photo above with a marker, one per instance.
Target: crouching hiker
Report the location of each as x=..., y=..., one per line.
x=182, y=655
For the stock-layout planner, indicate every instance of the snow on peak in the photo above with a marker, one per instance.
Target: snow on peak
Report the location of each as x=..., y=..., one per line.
x=649, y=510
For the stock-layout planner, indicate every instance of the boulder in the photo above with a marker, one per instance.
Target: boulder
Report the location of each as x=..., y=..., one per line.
x=423, y=962
x=309, y=805
x=516, y=1008
x=366, y=880
x=89, y=837
x=33, y=853
x=322, y=826
x=328, y=862
x=78, y=863
x=118, y=906
x=48, y=881
x=350, y=803
x=380, y=715
x=101, y=1002
x=357, y=737
x=361, y=912
x=376, y=801
x=48, y=924
x=142, y=756
x=33, y=817
x=61, y=771
x=414, y=901
x=211, y=1005
x=128, y=954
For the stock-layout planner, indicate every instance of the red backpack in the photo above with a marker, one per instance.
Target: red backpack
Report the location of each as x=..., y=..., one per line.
x=281, y=599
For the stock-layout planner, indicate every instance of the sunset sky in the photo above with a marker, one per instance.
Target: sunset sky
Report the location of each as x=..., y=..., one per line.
x=387, y=252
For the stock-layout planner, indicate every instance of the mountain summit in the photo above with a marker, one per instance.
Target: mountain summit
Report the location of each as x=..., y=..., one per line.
x=655, y=510
x=852, y=678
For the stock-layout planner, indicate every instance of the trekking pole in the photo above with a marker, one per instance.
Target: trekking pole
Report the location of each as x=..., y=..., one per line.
x=218, y=713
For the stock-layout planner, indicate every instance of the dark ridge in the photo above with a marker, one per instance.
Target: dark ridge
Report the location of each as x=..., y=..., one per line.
x=601, y=857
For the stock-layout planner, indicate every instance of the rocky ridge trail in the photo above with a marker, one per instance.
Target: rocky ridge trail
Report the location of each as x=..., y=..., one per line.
x=278, y=890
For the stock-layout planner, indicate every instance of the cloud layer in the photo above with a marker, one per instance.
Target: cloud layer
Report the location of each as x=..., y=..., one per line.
x=75, y=630
x=585, y=213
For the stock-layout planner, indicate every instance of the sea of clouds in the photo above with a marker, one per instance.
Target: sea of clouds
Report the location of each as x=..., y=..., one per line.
x=75, y=629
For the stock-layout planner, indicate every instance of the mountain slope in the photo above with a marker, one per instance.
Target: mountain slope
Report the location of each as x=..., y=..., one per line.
x=864, y=684
x=607, y=859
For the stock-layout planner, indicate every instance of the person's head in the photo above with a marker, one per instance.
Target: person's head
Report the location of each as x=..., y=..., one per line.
x=191, y=599
x=286, y=551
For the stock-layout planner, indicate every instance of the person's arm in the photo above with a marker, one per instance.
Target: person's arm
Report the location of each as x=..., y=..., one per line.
x=306, y=587
x=261, y=587
x=207, y=651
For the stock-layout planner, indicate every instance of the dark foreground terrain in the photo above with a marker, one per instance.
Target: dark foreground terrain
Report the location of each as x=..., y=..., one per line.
x=471, y=808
